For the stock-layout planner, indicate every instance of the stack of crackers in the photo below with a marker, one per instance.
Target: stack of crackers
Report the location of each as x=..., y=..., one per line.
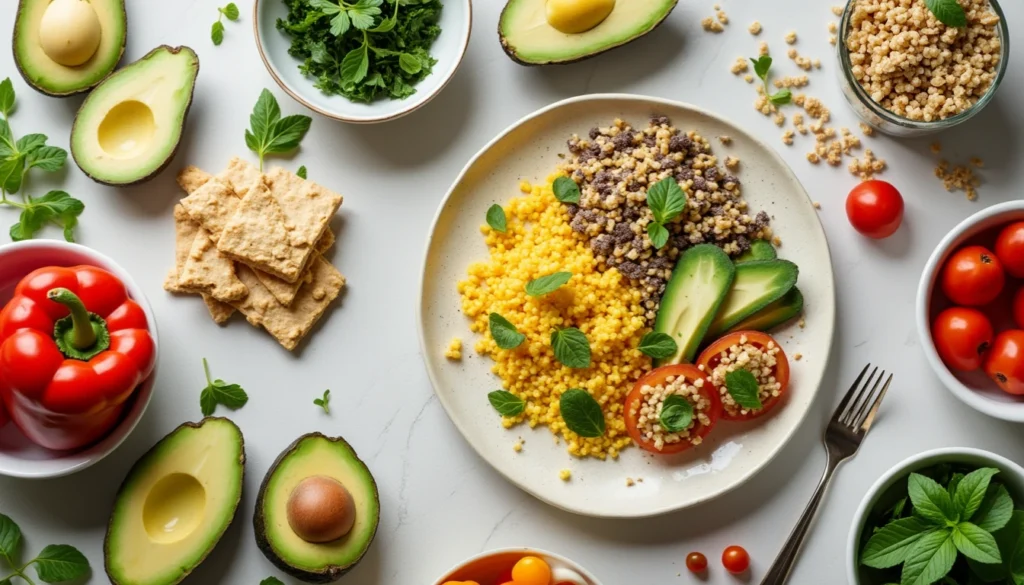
x=254, y=243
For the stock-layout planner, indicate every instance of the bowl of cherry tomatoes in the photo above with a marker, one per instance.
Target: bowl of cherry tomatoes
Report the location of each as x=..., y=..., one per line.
x=517, y=566
x=970, y=311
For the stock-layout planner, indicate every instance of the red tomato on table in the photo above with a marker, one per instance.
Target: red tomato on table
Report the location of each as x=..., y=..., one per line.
x=962, y=337
x=1010, y=249
x=658, y=377
x=696, y=562
x=1005, y=363
x=875, y=209
x=973, y=277
x=735, y=559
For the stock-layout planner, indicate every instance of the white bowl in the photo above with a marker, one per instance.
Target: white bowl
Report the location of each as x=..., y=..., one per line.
x=18, y=456
x=1010, y=474
x=449, y=49
x=974, y=388
x=487, y=567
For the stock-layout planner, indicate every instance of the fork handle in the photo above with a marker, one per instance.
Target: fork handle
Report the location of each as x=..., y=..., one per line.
x=779, y=572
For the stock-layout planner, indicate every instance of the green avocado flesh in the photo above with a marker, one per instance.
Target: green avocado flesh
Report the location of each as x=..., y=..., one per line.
x=759, y=250
x=757, y=285
x=315, y=455
x=53, y=78
x=700, y=282
x=528, y=38
x=175, y=504
x=129, y=127
x=775, y=314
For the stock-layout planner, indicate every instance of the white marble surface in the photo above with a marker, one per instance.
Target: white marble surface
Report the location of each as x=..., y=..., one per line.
x=440, y=502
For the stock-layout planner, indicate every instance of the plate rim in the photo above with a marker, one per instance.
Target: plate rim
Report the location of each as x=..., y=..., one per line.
x=655, y=101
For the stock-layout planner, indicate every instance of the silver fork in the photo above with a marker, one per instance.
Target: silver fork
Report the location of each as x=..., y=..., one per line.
x=843, y=437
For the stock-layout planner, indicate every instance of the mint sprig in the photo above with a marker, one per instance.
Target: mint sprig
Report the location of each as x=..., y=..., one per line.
x=217, y=30
x=676, y=414
x=949, y=12
x=324, y=402
x=504, y=332
x=581, y=413
x=220, y=392
x=269, y=133
x=566, y=190
x=762, y=65
x=56, y=563
x=658, y=345
x=744, y=389
x=506, y=403
x=548, y=284
x=666, y=200
x=496, y=218
x=571, y=347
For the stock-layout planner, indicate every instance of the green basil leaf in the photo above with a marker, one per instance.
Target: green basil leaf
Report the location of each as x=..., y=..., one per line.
x=581, y=413
x=971, y=490
x=355, y=65
x=506, y=403
x=264, y=115
x=231, y=11
x=60, y=562
x=929, y=559
x=949, y=12
x=781, y=97
x=301, y=173
x=571, y=347
x=6, y=97
x=975, y=543
x=26, y=144
x=1010, y=539
x=658, y=345
x=252, y=142
x=10, y=534
x=409, y=64
x=217, y=33
x=931, y=501
x=287, y=133
x=30, y=221
x=271, y=581
x=539, y=287
x=761, y=66
x=676, y=414
x=889, y=546
x=896, y=512
x=504, y=332
x=995, y=509
x=657, y=234
x=666, y=200
x=566, y=190
x=7, y=139
x=954, y=481
x=340, y=23
x=496, y=218
x=744, y=389
x=46, y=158
x=12, y=172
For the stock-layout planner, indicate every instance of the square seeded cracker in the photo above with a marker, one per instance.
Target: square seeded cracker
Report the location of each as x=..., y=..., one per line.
x=308, y=206
x=185, y=233
x=256, y=236
x=289, y=325
x=209, y=270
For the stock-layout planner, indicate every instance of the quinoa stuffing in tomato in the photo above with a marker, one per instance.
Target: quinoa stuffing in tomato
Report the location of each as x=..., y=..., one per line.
x=671, y=409
x=754, y=352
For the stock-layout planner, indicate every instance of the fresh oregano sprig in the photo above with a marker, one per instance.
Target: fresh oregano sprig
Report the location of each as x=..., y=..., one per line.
x=269, y=133
x=56, y=563
x=217, y=31
x=762, y=65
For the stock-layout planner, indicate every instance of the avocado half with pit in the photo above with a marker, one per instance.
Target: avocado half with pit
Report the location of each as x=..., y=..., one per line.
x=129, y=127
x=64, y=47
x=317, y=510
x=541, y=32
x=175, y=504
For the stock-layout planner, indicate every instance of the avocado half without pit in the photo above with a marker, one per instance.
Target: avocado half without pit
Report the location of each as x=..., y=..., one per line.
x=317, y=510
x=129, y=127
x=64, y=47
x=540, y=32
x=175, y=504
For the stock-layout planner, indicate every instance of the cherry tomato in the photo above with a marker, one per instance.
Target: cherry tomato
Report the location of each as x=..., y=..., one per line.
x=735, y=559
x=658, y=377
x=973, y=277
x=712, y=356
x=531, y=571
x=1005, y=363
x=1018, y=308
x=875, y=209
x=1010, y=249
x=696, y=562
x=962, y=338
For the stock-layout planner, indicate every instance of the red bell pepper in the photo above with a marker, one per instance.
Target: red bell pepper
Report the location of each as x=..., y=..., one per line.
x=73, y=349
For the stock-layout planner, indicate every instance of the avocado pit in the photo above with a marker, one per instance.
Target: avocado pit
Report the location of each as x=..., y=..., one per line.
x=320, y=509
x=577, y=16
x=70, y=32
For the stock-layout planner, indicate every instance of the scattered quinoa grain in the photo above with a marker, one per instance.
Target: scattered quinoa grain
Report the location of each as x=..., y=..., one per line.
x=780, y=120
x=802, y=323
x=739, y=66
x=454, y=349
x=722, y=17
x=833, y=27
x=777, y=241
x=867, y=130
x=798, y=356
x=732, y=163
x=867, y=167
x=630, y=482
x=517, y=446
x=755, y=28
x=817, y=205
x=727, y=140
x=762, y=49
x=565, y=475
x=837, y=10
x=748, y=78
x=787, y=137
x=833, y=40
x=709, y=24
x=958, y=177
x=791, y=37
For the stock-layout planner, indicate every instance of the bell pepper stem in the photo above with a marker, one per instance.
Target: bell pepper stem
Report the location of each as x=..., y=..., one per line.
x=81, y=335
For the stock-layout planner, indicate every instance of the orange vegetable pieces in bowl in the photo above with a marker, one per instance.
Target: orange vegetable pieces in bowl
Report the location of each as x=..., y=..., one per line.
x=531, y=571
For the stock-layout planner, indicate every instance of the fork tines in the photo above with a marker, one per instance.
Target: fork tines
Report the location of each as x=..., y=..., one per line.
x=859, y=406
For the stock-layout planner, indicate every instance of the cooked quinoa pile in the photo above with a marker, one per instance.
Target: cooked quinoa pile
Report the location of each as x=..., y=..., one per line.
x=915, y=66
x=613, y=167
x=602, y=303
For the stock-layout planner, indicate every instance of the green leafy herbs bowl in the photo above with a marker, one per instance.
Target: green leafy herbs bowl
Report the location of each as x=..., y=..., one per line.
x=951, y=515
x=362, y=61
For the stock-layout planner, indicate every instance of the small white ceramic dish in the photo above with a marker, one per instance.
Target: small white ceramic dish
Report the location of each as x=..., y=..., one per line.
x=489, y=566
x=18, y=456
x=734, y=452
x=449, y=49
x=974, y=388
x=1010, y=474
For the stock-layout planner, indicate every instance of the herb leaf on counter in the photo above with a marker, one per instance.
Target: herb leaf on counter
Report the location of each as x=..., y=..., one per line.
x=6, y=97
x=55, y=207
x=762, y=65
x=506, y=403
x=269, y=133
x=543, y=285
x=10, y=537
x=504, y=333
x=324, y=402
x=301, y=173
x=581, y=413
x=742, y=386
x=217, y=30
x=56, y=563
x=566, y=190
x=220, y=392
x=676, y=414
x=496, y=218
x=658, y=345
x=949, y=12
x=571, y=347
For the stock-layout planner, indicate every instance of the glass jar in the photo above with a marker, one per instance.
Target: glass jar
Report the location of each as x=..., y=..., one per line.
x=873, y=114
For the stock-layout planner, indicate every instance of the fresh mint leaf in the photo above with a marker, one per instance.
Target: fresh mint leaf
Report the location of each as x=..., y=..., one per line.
x=57, y=207
x=12, y=171
x=975, y=543
x=230, y=11
x=931, y=501
x=363, y=15
x=219, y=392
x=58, y=563
x=995, y=510
x=506, y=403
x=355, y=65
x=666, y=200
x=496, y=218
x=539, y=287
x=340, y=23
x=287, y=133
x=504, y=332
x=324, y=402
x=949, y=12
x=581, y=413
x=301, y=173
x=26, y=144
x=217, y=33
x=761, y=66
x=676, y=414
x=571, y=347
x=566, y=190
x=896, y=512
x=658, y=345
x=658, y=235
x=326, y=6
x=409, y=64
x=954, y=481
x=6, y=97
x=46, y=158
x=744, y=389
x=1011, y=549
x=10, y=536
x=7, y=145
x=781, y=97
x=271, y=134
x=930, y=558
x=889, y=546
x=271, y=581
x=264, y=115
x=971, y=490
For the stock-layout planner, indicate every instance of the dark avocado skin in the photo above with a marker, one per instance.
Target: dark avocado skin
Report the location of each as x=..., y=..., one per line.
x=511, y=51
x=328, y=574
x=192, y=425
x=174, y=151
x=28, y=78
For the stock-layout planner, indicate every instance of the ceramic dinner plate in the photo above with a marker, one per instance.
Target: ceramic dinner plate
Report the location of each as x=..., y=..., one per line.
x=734, y=452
